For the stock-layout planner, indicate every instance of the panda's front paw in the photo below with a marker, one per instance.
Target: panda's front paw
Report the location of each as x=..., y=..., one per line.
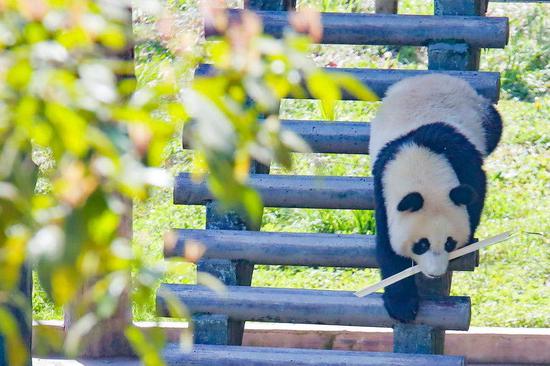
x=401, y=307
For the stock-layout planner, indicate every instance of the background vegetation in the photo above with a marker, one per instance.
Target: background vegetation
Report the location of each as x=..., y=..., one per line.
x=511, y=287
x=80, y=139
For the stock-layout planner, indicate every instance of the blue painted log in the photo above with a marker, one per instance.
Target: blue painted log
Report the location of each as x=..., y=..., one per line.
x=389, y=29
x=281, y=305
x=485, y=83
x=321, y=136
x=207, y=355
x=299, y=249
x=291, y=191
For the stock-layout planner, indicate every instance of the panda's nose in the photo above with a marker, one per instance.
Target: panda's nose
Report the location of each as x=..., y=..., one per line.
x=433, y=264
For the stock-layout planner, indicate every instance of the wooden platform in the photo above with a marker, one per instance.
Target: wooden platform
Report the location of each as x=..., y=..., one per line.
x=480, y=345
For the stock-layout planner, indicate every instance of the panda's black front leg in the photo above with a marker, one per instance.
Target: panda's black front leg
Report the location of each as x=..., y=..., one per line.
x=400, y=299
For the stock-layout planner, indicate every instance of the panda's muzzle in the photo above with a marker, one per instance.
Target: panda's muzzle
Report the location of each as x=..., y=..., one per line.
x=433, y=264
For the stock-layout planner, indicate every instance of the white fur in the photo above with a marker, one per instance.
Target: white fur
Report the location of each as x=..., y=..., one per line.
x=417, y=101
x=417, y=169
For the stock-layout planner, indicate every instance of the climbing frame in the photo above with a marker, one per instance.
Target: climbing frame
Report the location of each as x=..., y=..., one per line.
x=453, y=37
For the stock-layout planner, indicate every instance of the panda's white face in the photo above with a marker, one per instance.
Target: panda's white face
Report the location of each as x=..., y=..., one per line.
x=426, y=208
x=428, y=234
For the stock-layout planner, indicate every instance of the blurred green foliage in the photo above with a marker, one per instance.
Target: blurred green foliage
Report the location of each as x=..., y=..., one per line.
x=76, y=142
x=80, y=140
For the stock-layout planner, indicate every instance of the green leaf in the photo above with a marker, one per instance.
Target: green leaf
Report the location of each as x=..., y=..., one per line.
x=253, y=205
x=144, y=346
x=19, y=74
x=71, y=127
x=354, y=87
x=323, y=87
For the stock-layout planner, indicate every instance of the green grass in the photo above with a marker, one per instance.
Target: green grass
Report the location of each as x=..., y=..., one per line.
x=511, y=287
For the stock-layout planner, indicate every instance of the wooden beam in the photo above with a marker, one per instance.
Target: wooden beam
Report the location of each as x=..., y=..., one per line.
x=281, y=305
x=205, y=355
x=520, y=1
x=485, y=83
x=298, y=249
x=389, y=29
x=290, y=191
x=321, y=136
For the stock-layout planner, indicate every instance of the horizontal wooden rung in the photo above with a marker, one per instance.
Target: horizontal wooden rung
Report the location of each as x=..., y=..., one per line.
x=485, y=83
x=331, y=137
x=208, y=355
x=280, y=305
x=300, y=249
x=293, y=191
x=403, y=30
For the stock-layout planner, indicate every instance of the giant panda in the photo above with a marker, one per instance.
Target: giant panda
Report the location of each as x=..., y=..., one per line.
x=427, y=142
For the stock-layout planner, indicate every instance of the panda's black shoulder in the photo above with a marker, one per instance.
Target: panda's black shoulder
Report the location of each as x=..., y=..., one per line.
x=462, y=155
x=492, y=125
x=389, y=153
x=442, y=138
x=438, y=137
x=446, y=141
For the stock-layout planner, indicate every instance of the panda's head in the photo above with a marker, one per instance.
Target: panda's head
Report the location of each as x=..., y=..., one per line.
x=431, y=230
x=426, y=209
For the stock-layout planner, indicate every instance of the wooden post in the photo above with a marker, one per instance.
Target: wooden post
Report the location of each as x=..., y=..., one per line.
x=22, y=315
x=442, y=56
x=271, y=4
x=23, y=318
x=107, y=339
x=455, y=56
x=386, y=6
x=218, y=328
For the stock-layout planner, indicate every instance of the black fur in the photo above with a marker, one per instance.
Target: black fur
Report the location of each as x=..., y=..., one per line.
x=411, y=202
x=450, y=244
x=421, y=246
x=462, y=195
x=401, y=299
x=492, y=124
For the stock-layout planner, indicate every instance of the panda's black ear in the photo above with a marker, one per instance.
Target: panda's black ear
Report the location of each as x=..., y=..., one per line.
x=463, y=195
x=411, y=202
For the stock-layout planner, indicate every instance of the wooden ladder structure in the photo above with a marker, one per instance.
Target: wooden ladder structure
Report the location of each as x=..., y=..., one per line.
x=454, y=37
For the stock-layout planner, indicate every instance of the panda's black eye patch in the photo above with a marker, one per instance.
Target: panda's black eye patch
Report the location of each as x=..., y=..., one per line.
x=463, y=195
x=411, y=202
x=450, y=244
x=421, y=246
